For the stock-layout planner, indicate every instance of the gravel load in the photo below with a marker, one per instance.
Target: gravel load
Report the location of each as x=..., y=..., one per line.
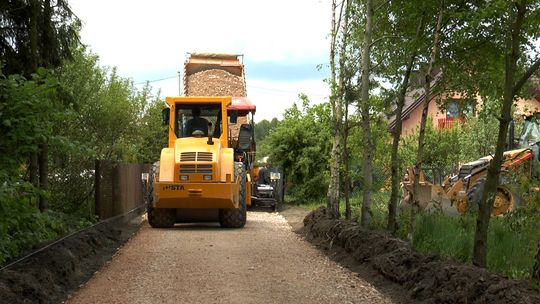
x=428, y=278
x=215, y=82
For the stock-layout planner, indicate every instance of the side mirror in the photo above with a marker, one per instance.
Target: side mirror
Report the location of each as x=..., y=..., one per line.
x=165, y=114
x=234, y=116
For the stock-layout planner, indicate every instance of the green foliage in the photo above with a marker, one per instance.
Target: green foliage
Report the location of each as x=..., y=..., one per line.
x=445, y=235
x=300, y=145
x=441, y=147
x=381, y=144
x=448, y=148
x=22, y=227
x=263, y=128
x=84, y=112
x=153, y=134
x=26, y=112
x=512, y=240
x=478, y=136
x=36, y=33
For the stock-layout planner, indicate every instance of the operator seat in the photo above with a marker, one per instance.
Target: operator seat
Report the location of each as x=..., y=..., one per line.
x=245, y=138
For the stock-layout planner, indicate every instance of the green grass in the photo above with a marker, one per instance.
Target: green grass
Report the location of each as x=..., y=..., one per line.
x=22, y=227
x=512, y=239
x=452, y=237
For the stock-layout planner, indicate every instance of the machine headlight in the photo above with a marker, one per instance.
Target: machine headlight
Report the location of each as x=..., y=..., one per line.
x=207, y=177
x=184, y=177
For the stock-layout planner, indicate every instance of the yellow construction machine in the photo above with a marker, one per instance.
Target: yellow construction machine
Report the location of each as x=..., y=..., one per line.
x=456, y=193
x=205, y=172
x=201, y=175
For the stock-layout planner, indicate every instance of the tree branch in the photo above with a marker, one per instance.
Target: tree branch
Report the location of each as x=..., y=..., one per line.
x=381, y=5
x=382, y=38
x=533, y=68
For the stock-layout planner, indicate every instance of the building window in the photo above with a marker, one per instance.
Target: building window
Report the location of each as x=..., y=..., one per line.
x=452, y=109
x=459, y=108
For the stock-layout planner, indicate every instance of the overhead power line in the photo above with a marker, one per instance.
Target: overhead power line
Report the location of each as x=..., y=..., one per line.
x=156, y=80
x=249, y=86
x=285, y=91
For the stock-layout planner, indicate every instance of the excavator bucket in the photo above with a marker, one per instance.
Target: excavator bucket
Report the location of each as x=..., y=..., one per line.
x=431, y=197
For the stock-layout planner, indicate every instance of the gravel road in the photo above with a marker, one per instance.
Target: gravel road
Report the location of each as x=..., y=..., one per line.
x=266, y=262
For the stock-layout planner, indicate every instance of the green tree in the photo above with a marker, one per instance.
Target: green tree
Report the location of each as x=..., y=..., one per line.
x=263, y=128
x=153, y=134
x=301, y=146
x=37, y=33
x=339, y=34
x=401, y=58
x=520, y=22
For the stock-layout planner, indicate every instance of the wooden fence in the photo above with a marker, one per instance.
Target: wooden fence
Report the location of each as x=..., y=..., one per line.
x=118, y=187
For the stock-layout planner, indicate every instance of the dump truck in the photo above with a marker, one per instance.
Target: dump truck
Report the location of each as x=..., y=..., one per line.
x=204, y=174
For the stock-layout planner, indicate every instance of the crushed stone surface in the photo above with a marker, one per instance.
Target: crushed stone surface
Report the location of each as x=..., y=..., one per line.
x=215, y=82
x=265, y=262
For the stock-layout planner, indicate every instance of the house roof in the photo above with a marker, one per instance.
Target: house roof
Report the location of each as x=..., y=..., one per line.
x=415, y=97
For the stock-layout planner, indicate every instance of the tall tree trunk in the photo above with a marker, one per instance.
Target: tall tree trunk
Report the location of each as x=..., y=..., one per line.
x=31, y=68
x=336, y=102
x=367, y=159
x=392, y=205
x=332, y=196
x=333, y=188
x=47, y=58
x=421, y=136
x=43, y=176
x=492, y=181
x=346, y=164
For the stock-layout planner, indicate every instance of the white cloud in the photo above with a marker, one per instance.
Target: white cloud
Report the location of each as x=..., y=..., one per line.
x=148, y=40
x=155, y=35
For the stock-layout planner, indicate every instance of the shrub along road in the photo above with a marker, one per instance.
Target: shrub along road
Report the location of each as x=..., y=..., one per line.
x=266, y=262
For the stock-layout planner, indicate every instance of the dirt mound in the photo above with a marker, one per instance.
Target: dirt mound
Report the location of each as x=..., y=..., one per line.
x=50, y=275
x=215, y=82
x=428, y=278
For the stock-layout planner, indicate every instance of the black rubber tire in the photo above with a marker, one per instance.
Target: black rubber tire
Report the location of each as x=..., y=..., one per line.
x=474, y=196
x=236, y=217
x=158, y=217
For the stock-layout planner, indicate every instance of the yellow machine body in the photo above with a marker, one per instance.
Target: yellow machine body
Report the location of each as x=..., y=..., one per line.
x=452, y=197
x=193, y=173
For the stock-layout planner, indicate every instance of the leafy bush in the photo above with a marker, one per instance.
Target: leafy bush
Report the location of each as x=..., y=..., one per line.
x=300, y=145
x=441, y=148
x=82, y=112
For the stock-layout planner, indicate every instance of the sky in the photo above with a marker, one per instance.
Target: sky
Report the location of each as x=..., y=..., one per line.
x=283, y=43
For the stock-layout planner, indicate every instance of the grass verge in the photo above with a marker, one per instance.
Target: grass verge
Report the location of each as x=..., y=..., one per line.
x=512, y=240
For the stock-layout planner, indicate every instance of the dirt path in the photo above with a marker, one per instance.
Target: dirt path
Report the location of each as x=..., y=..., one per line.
x=263, y=263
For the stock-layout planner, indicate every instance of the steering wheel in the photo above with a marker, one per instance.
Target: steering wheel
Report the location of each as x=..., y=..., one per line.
x=197, y=133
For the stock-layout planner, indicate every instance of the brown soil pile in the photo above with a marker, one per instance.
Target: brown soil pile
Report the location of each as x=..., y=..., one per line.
x=215, y=82
x=52, y=274
x=428, y=278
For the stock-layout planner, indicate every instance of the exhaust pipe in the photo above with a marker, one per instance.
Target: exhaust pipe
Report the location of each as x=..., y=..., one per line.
x=210, y=140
